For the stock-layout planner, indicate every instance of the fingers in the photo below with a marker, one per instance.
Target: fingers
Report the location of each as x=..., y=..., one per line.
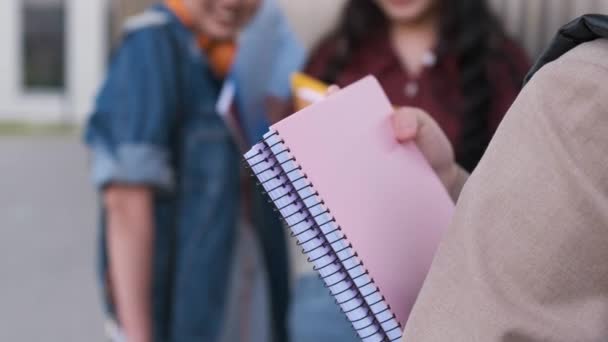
x=407, y=122
x=415, y=125
x=332, y=89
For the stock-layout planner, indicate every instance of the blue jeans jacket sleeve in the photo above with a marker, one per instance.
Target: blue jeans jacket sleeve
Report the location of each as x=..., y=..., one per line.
x=129, y=130
x=133, y=164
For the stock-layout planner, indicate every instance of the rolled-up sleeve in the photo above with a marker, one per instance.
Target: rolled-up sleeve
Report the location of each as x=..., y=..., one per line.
x=129, y=132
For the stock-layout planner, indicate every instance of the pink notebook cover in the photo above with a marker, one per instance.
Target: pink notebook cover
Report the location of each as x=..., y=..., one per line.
x=384, y=195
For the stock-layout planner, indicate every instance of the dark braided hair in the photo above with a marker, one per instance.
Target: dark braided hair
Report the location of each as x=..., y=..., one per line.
x=468, y=29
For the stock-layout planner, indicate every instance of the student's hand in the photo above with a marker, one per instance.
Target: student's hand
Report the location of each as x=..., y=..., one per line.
x=413, y=124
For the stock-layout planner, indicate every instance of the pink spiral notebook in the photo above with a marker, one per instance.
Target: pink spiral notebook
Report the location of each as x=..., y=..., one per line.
x=369, y=212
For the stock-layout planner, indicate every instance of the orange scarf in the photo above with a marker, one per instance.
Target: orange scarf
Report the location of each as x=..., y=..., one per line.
x=221, y=54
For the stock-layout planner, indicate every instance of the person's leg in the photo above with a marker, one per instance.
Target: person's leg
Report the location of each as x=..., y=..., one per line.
x=271, y=235
x=248, y=307
x=314, y=315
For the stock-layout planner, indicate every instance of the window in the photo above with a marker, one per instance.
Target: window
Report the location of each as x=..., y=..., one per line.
x=43, y=46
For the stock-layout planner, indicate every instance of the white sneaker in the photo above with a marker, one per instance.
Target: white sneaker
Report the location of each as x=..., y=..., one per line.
x=113, y=331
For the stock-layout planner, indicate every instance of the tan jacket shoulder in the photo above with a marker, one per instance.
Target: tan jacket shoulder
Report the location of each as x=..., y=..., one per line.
x=526, y=258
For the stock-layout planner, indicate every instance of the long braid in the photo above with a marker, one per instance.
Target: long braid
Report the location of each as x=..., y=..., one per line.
x=475, y=28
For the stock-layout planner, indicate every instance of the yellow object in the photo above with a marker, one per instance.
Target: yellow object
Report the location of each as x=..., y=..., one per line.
x=306, y=90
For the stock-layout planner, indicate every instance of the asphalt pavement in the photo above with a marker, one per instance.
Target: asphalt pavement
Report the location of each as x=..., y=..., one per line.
x=48, y=286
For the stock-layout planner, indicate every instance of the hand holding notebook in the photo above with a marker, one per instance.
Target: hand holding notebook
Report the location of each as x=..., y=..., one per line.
x=409, y=124
x=368, y=211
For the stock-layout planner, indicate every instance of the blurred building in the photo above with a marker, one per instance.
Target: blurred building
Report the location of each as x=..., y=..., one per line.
x=53, y=58
x=535, y=22
x=55, y=55
x=56, y=51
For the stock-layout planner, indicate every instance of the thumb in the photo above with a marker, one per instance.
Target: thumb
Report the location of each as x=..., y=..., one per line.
x=406, y=124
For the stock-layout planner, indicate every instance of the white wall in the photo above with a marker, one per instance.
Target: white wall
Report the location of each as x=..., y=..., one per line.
x=88, y=36
x=535, y=22
x=86, y=31
x=312, y=19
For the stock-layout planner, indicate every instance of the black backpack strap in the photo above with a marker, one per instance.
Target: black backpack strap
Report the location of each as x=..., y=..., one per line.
x=581, y=30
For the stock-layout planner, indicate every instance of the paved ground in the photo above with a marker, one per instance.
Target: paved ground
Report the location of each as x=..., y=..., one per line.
x=47, y=236
x=48, y=288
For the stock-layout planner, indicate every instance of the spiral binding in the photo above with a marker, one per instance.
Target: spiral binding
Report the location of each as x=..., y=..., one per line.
x=322, y=240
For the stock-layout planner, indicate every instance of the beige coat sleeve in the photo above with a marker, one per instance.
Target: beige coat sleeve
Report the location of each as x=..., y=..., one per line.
x=526, y=258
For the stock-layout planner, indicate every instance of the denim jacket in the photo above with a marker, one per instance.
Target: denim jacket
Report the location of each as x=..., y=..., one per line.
x=155, y=124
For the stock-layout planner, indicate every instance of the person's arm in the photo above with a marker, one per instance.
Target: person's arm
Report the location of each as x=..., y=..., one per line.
x=417, y=125
x=129, y=136
x=414, y=124
x=130, y=234
x=525, y=258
